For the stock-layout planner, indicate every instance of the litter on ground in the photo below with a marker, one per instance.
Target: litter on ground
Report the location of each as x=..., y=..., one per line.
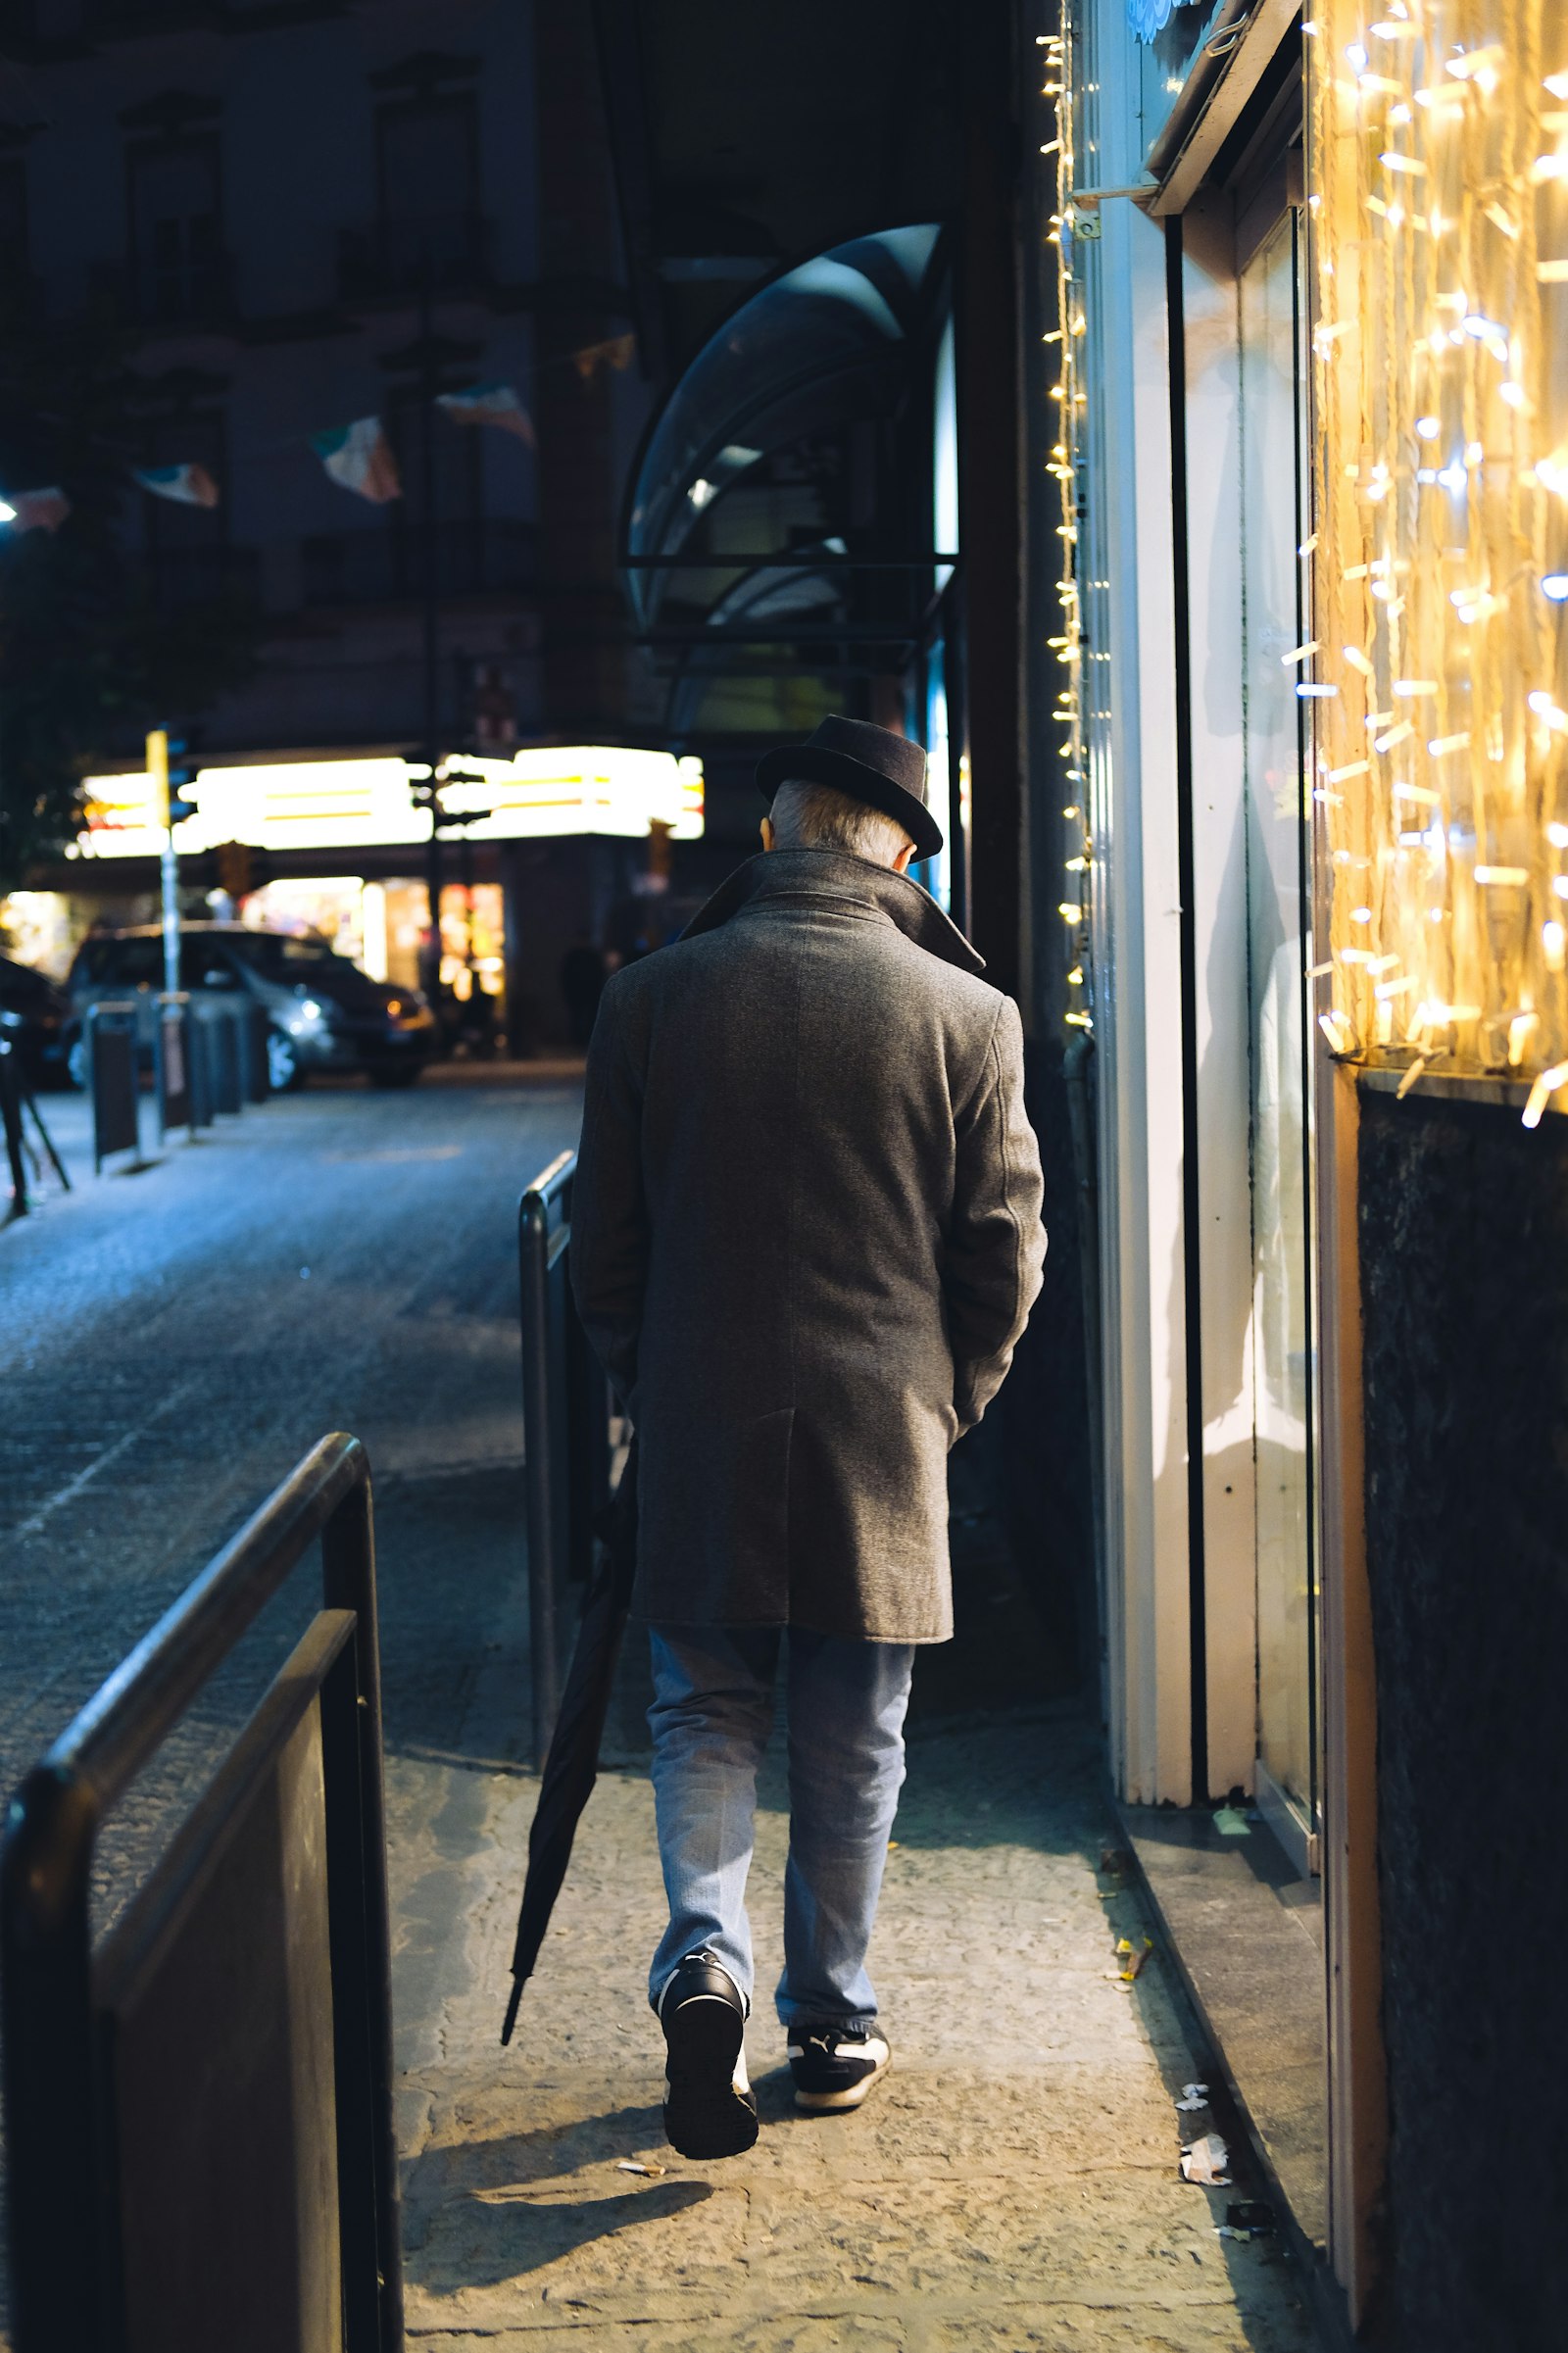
x=1204, y=2161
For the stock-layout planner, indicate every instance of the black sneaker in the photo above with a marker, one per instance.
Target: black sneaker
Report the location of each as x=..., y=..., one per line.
x=835, y=2067
x=710, y=2107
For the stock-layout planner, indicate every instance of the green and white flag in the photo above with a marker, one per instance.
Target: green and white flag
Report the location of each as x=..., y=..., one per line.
x=186, y=485
x=490, y=405
x=360, y=457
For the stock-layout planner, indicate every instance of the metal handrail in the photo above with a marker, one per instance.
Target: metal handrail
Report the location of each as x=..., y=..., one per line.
x=62, y=2264
x=538, y=1252
x=131, y=1713
x=566, y=1408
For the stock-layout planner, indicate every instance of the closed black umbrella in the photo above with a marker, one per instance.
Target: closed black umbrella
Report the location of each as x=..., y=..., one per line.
x=572, y=1765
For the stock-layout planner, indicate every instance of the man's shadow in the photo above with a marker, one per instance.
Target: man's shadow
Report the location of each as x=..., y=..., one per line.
x=513, y=2198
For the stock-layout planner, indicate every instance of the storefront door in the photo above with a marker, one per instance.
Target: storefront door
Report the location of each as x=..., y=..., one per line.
x=1274, y=527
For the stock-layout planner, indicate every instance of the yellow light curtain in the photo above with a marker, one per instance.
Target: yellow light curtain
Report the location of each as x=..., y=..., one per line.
x=1436, y=674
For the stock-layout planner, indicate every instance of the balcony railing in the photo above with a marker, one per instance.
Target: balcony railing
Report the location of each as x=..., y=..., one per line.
x=448, y=252
x=387, y=565
x=196, y=574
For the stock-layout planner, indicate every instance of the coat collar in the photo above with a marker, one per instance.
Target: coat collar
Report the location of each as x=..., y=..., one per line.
x=833, y=874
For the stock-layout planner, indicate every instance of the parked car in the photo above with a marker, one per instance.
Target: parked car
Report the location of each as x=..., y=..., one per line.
x=47, y=1023
x=322, y=1011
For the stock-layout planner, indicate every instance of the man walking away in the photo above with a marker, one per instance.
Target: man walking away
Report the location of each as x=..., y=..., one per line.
x=805, y=1239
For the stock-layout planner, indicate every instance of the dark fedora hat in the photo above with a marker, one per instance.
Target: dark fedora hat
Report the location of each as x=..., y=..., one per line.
x=867, y=764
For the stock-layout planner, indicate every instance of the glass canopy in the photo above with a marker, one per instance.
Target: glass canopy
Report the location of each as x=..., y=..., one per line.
x=828, y=342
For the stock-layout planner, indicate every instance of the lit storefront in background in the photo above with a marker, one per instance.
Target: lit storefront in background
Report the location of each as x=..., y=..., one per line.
x=369, y=802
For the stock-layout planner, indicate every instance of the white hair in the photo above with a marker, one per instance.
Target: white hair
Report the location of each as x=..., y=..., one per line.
x=813, y=816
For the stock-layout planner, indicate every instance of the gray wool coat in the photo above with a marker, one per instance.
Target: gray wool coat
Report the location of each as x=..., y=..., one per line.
x=806, y=1238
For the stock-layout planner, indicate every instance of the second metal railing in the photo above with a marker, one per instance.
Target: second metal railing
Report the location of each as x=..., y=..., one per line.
x=199, y=2105
x=567, y=1405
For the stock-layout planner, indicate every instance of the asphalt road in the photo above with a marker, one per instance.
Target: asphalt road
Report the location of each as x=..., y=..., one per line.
x=174, y=1339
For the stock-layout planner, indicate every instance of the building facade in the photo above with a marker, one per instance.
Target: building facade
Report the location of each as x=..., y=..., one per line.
x=1314, y=289
x=300, y=221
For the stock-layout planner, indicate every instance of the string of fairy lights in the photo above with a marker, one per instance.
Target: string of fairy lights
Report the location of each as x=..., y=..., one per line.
x=1068, y=399
x=1437, y=658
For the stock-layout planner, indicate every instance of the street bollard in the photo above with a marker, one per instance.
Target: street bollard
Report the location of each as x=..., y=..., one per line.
x=199, y=1070
x=111, y=1077
x=255, y=1079
x=222, y=1029
x=172, y=1064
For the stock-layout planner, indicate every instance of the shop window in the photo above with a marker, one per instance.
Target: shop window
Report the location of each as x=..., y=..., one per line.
x=1274, y=515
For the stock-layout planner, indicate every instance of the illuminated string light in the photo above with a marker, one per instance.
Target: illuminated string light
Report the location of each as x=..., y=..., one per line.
x=1067, y=401
x=1435, y=176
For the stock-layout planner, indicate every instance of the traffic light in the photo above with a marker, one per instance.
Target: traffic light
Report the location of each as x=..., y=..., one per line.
x=171, y=769
x=236, y=867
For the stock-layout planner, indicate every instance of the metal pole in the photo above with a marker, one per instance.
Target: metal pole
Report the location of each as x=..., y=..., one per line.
x=167, y=864
x=29, y=1105
x=533, y=1262
x=431, y=622
x=348, y=1579
x=11, y=1112
x=169, y=873
x=52, y=2106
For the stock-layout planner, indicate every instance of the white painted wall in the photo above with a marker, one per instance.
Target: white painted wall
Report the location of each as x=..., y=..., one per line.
x=1138, y=978
x=1224, y=1043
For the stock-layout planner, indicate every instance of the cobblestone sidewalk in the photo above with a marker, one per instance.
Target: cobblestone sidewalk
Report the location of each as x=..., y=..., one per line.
x=1014, y=2183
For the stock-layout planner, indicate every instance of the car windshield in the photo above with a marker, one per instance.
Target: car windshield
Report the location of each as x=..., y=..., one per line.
x=126, y=963
x=282, y=956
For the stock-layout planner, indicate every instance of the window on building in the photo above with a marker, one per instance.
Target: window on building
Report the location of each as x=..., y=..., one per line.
x=455, y=456
x=428, y=164
x=176, y=231
x=14, y=252
x=186, y=546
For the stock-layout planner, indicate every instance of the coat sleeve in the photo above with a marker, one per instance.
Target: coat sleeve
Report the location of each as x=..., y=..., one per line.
x=996, y=1242
x=609, y=1231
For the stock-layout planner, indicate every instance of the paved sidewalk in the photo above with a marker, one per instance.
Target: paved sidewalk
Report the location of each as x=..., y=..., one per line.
x=345, y=1259
x=1014, y=2183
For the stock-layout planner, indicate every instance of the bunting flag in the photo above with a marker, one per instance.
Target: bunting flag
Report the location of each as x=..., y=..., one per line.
x=37, y=509
x=616, y=353
x=360, y=457
x=185, y=485
x=489, y=404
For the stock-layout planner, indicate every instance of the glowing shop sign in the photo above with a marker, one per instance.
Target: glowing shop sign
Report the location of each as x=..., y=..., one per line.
x=368, y=803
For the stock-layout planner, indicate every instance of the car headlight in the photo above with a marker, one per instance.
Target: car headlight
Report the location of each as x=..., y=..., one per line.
x=309, y=1016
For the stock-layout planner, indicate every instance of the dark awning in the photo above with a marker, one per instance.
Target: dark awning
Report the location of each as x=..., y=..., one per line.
x=828, y=342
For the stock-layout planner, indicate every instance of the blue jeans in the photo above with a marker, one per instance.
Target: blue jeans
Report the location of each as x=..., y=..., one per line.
x=711, y=1715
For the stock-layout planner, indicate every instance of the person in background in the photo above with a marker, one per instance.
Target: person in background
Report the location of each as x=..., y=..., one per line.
x=584, y=973
x=805, y=1239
